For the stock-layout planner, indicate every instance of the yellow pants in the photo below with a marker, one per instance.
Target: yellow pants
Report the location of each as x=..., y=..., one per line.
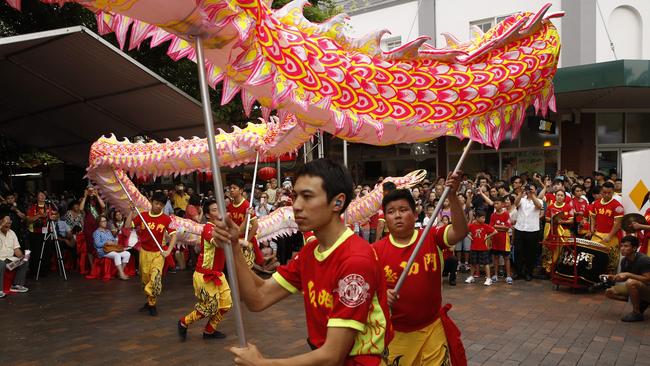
x=214, y=301
x=614, y=250
x=151, y=269
x=423, y=347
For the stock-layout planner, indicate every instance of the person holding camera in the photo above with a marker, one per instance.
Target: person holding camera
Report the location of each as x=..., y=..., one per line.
x=93, y=207
x=527, y=228
x=634, y=279
x=37, y=215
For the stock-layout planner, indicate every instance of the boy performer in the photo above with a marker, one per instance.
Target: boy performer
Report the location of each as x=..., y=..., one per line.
x=480, y=252
x=419, y=333
x=238, y=209
x=151, y=259
x=337, y=272
x=210, y=286
x=500, y=221
x=606, y=217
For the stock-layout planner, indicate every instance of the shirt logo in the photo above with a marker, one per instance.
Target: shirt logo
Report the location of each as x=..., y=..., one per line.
x=353, y=290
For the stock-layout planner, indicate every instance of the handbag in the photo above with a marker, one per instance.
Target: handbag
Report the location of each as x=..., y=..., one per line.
x=113, y=248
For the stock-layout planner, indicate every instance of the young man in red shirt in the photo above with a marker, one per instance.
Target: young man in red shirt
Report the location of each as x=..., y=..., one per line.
x=338, y=274
x=606, y=216
x=419, y=335
x=500, y=221
x=210, y=286
x=238, y=209
x=151, y=259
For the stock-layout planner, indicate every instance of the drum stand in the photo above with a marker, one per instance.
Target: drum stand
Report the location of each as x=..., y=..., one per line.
x=51, y=234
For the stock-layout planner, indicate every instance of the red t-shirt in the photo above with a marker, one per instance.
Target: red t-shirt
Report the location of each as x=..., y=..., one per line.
x=158, y=225
x=35, y=209
x=645, y=239
x=550, y=198
x=342, y=287
x=422, y=285
x=565, y=211
x=501, y=241
x=580, y=209
x=238, y=212
x=606, y=213
x=211, y=259
x=479, y=232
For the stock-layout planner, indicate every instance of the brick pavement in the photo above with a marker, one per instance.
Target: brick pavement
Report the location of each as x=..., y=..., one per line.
x=84, y=322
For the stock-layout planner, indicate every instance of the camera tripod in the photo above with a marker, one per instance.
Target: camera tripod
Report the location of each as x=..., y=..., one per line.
x=51, y=234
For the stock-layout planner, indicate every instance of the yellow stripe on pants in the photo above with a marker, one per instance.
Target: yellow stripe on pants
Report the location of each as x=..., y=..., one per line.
x=151, y=267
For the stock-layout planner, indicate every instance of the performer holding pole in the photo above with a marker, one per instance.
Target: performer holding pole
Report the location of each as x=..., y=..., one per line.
x=152, y=254
x=420, y=332
x=210, y=287
x=218, y=186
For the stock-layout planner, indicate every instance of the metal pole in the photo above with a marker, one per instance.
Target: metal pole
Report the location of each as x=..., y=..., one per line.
x=345, y=162
x=321, y=148
x=218, y=189
x=279, y=167
x=128, y=196
x=248, y=216
x=444, y=195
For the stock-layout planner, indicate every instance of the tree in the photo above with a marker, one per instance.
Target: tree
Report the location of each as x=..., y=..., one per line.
x=36, y=16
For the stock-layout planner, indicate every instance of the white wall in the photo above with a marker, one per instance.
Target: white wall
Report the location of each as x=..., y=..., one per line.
x=397, y=19
x=628, y=23
x=455, y=16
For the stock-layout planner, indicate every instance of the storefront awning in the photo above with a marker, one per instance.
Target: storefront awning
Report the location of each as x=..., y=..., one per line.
x=622, y=84
x=63, y=89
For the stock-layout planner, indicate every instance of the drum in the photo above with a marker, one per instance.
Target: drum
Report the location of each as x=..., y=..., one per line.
x=591, y=260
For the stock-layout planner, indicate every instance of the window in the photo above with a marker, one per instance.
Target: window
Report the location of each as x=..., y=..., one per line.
x=609, y=128
x=486, y=24
x=636, y=127
x=393, y=42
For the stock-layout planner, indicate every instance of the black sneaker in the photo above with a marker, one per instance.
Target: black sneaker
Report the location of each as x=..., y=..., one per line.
x=144, y=308
x=643, y=306
x=452, y=282
x=632, y=317
x=529, y=278
x=153, y=311
x=216, y=335
x=182, y=331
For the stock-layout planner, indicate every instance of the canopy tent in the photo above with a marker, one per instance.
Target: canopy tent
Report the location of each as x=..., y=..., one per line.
x=63, y=89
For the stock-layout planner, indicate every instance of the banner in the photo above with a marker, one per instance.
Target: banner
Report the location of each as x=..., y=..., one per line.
x=636, y=183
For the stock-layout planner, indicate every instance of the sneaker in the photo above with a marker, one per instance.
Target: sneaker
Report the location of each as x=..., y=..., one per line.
x=153, y=311
x=632, y=317
x=2, y=294
x=470, y=279
x=172, y=270
x=509, y=280
x=216, y=335
x=488, y=282
x=182, y=331
x=495, y=278
x=477, y=274
x=19, y=288
x=144, y=308
x=452, y=282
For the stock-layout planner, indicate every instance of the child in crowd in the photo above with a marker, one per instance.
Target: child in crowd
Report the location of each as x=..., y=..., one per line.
x=480, y=254
x=500, y=221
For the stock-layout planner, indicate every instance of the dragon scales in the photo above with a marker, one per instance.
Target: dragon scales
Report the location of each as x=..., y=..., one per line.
x=328, y=80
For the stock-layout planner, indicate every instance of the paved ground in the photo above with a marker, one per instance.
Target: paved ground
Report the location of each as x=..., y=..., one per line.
x=84, y=322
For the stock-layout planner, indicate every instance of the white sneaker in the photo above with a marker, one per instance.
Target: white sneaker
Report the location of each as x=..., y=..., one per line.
x=470, y=279
x=509, y=280
x=495, y=278
x=488, y=282
x=19, y=288
x=2, y=294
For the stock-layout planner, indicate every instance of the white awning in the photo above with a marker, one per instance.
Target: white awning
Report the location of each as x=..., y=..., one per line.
x=62, y=89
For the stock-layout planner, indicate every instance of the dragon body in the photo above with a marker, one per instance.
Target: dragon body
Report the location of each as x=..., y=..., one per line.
x=319, y=78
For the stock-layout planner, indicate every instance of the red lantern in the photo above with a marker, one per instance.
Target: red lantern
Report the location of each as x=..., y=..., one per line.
x=207, y=177
x=267, y=173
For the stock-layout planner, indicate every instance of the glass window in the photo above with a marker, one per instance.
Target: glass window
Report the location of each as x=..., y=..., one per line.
x=531, y=136
x=393, y=42
x=551, y=161
x=607, y=160
x=610, y=128
x=483, y=24
x=636, y=127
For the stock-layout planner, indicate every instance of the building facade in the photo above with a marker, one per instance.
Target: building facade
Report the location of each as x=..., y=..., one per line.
x=602, y=86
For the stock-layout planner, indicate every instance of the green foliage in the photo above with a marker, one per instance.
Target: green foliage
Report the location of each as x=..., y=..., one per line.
x=36, y=16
